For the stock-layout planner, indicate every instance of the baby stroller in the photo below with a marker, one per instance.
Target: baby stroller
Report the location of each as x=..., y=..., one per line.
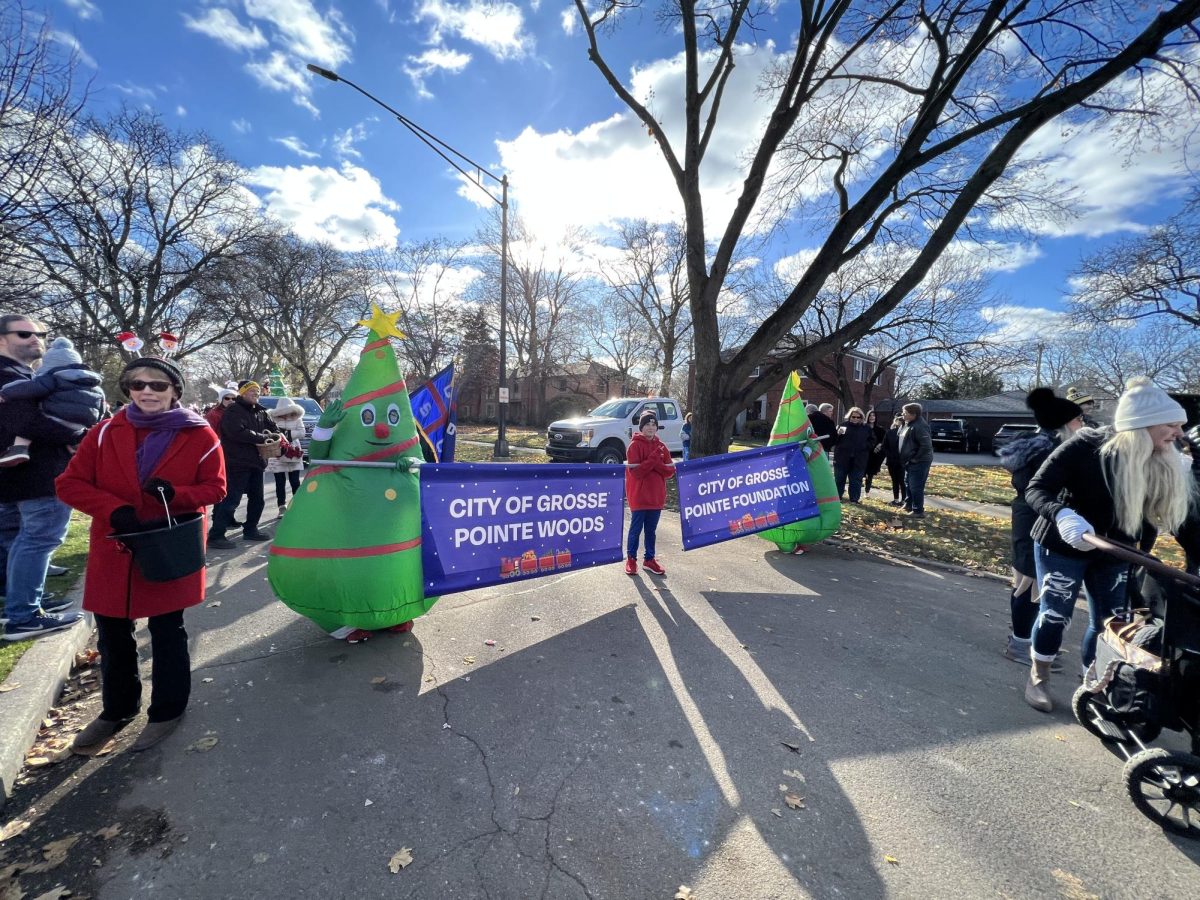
x=1146, y=677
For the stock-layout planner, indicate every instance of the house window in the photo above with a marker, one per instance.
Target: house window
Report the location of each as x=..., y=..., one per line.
x=862, y=370
x=490, y=412
x=757, y=371
x=561, y=384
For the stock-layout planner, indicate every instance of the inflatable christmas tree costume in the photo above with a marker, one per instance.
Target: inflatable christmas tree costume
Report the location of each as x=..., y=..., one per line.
x=348, y=552
x=792, y=426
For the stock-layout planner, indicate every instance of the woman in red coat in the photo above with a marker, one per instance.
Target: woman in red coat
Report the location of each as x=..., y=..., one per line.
x=151, y=449
x=649, y=467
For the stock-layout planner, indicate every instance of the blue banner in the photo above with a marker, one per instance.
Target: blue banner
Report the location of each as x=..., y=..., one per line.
x=487, y=523
x=727, y=496
x=435, y=410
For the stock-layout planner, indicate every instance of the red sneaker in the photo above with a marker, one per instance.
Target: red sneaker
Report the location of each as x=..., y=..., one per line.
x=402, y=628
x=653, y=565
x=358, y=636
x=631, y=566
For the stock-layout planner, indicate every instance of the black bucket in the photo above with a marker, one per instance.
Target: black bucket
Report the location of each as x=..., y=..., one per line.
x=168, y=551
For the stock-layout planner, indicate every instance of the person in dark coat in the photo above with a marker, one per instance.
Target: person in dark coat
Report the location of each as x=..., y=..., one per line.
x=1127, y=482
x=891, y=455
x=33, y=521
x=916, y=455
x=1057, y=419
x=244, y=426
x=875, y=460
x=1188, y=534
x=152, y=451
x=822, y=425
x=854, y=443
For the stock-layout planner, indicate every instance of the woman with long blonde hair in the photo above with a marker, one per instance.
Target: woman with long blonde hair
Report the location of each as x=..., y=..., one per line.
x=1127, y=482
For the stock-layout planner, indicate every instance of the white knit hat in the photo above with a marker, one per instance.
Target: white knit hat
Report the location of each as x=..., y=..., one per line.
x=1144, y=404
x=286, y=407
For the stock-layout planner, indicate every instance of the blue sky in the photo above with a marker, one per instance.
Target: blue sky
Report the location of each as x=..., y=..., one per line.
x=507, y=83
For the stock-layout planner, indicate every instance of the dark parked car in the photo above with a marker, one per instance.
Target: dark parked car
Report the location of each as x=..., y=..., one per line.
x=948, y=434
x=312, y=412
x=1009, y=433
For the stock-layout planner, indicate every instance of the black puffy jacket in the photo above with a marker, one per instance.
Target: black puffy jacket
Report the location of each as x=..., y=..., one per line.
x=243, y=427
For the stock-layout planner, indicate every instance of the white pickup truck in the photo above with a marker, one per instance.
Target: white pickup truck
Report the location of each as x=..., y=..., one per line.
x=604, y=434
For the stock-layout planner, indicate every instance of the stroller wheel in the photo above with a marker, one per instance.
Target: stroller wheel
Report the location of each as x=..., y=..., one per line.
x=1084, y=708
x=1165, y=786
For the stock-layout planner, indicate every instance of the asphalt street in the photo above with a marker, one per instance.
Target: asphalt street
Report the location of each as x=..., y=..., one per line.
x=623, y=737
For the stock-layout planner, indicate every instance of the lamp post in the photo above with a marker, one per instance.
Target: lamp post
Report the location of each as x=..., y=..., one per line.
x=452, y=156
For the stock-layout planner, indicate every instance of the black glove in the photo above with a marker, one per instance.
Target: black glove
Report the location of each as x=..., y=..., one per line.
x=154, y=485
x=124, y=520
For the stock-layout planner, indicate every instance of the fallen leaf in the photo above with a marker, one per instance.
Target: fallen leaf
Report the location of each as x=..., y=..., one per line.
x=12, y=829
x=891, y=860
x=794, y=773
x=400, y=859
x=535, y=618
x=55, y=853
x=684, y=893
x=794, y=801
x=428, y=678
x=469, y=660
x=9, y=686
x=1059, y=737
x=783, y=789
x=204, y=744
x=489, y=643
x=108, y=832
x=206, y=680
x=261, y=858
x=379, y=679
x=86, y=657
x=795, y=748
x=214, y=604
x=777, y=812
x=368, y=802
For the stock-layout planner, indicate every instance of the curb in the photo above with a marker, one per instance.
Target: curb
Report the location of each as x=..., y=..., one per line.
x=40, y=674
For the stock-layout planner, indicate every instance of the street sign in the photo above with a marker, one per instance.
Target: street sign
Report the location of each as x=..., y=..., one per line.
x=504, y=395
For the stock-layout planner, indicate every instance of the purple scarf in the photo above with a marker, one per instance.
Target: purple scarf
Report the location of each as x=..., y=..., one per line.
x=162, y=427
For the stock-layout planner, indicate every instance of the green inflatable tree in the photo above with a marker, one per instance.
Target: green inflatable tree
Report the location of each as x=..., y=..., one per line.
x=275, y=385
x=348, y=552
x=792, y=427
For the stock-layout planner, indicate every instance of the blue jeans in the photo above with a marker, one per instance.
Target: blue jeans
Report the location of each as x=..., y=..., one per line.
x=30, y=531
x=1059, y=580
x=687, y=451
x=915, y=476
x=642, y=520
x=855, y=472
x=239, y=482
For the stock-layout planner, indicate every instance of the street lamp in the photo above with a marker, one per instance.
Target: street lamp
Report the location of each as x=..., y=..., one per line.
x=441, y=148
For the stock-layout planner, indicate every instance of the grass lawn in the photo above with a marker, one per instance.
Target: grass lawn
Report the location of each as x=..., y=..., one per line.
x=979, y=484
x=73, y=555
x=518, y=436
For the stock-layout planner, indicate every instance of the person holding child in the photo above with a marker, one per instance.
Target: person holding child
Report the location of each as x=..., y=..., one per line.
x=647, y=469
x=64, y=389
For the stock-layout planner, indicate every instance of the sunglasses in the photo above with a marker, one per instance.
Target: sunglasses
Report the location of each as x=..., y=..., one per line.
x=26, y=335
x=159, y=387
x=852, y=418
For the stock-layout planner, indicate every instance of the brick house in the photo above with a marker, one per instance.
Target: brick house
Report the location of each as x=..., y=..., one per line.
x=569, y=391
x=857, y=370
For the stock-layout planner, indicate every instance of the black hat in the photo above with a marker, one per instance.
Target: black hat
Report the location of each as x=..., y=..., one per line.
x=1051, y=411
x=646, y=416
x=166, y=366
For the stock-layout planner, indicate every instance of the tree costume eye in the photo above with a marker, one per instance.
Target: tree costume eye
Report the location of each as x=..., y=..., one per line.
x=393, y=414
x=367, y=415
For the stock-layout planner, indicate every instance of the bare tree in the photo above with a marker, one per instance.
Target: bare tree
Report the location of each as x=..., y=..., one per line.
x=39, y=101
x=547, y=290
x=621, y=335
x=231, y=360
x=302, y=302
x=424, y=281
x=1156, y=274
x=900, y=119
x=136, y=222
x=649, y=277
x=1107, y=356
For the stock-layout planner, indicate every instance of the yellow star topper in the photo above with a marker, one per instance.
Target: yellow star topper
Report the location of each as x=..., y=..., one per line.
x=383, y=324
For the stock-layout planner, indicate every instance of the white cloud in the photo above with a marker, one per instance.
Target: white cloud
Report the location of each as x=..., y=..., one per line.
x=346, y=207
x=435, y=59
x=613, y=169
x=995, y=256
x=1008, y=323
x=496, y=26
x=242, y=126
x=303, y=31
x=570, y=19
x=180, y=110
x=222, y=25
x=85, y=9
x=296, y=146
x=72, y=44
x=343, y=141
x=280, y=72
x=136, y=91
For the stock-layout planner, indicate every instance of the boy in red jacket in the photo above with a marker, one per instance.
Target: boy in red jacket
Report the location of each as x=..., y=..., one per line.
x=646, y=473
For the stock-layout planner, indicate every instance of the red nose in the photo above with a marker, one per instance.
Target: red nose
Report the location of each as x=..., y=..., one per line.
x=381, y=430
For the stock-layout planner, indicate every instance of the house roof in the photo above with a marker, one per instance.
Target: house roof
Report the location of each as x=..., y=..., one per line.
x=1008, y=405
